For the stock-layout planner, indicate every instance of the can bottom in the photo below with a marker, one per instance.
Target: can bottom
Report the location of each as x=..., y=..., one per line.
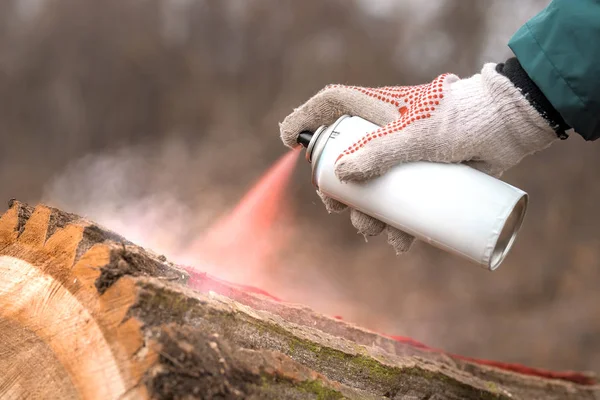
x=509, y=233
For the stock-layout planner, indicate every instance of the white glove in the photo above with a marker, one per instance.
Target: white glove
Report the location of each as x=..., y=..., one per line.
x=483, y=121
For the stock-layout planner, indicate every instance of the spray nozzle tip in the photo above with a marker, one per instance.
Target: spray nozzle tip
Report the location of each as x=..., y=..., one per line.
x=304, y=138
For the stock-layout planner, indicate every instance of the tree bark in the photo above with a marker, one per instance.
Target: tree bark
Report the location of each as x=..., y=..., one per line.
x=86, y=314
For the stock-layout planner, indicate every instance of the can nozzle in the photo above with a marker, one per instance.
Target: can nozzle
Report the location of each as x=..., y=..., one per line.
x=304, y=138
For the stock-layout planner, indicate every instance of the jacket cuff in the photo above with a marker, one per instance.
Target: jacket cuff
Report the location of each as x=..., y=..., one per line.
x=513, y=70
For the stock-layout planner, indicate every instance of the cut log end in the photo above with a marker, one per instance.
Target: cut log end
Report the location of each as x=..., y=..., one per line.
x=86, y=314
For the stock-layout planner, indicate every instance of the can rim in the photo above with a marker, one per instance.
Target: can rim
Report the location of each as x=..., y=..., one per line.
x=508, y=234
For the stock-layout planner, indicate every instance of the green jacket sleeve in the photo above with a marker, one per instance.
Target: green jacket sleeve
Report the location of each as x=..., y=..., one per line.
x=560, y=50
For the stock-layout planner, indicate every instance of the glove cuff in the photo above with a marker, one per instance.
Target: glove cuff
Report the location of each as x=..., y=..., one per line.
x=491, y=110
x=513, y=70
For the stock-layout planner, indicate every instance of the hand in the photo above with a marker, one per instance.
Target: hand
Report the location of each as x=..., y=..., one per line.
x=483, y=121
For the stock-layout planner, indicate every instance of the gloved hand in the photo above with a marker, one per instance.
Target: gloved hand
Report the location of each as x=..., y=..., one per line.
x=483, y=121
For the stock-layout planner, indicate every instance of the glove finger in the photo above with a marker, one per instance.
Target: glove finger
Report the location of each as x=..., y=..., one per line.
x=485, y=167
x=420, y=134
x=379, y=151
x=366, y=225
x=332, y=206
x=330, y=104
x=399, y=240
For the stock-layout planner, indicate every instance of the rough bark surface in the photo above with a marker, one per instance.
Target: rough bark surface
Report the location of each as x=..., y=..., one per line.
x=86, y=314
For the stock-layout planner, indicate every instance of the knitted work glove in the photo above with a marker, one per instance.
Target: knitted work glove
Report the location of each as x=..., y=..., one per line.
x=483, y=121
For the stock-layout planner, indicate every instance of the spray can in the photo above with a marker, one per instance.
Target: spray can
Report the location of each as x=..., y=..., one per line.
x=451, y=206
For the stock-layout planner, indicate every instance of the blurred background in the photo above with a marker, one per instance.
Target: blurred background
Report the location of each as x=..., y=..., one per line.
x=154, y=118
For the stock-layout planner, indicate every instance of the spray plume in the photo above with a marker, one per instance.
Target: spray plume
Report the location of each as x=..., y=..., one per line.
x=240, y=246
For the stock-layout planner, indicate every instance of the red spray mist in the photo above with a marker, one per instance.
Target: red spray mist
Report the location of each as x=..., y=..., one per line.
x=240, y=246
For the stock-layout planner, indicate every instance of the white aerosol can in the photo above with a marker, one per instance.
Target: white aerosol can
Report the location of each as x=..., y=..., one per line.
x=451, y=206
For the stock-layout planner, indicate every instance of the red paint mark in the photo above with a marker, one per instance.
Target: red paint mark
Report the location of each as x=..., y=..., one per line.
x=205, y=283
x=241, y=245
x=407, y=340
x=571, y=376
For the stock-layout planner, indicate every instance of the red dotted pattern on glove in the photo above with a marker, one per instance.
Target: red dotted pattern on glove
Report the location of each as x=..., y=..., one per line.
x=414, y=103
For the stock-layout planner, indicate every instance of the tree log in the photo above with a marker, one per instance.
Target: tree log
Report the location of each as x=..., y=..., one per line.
x=86, y=314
